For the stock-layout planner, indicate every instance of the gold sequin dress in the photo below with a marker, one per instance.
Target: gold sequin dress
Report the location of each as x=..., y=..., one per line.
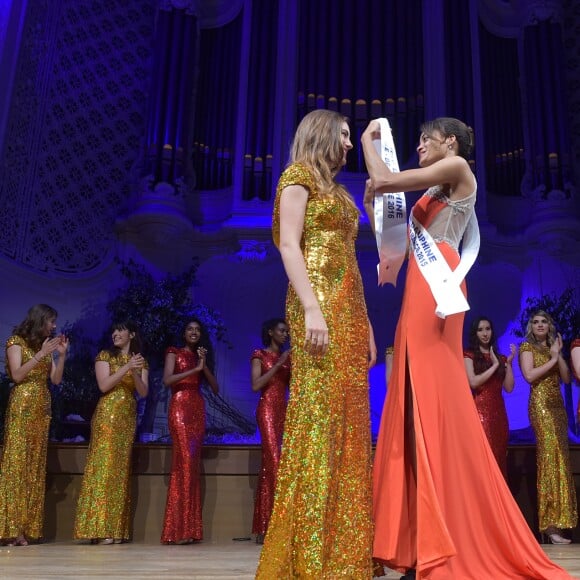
x=23, y=467
x=321, y=523
x=104, y=502
x=556, y=490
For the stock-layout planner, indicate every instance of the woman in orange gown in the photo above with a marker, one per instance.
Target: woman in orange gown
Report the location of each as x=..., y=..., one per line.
x=442, y=508
x=270, y=376
x=489, y=373
x=183, y=372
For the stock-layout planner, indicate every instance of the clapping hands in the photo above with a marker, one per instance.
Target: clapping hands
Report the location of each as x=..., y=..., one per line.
x=556, y=347
x=136, y=362
x=59, y=343
x=201, y=356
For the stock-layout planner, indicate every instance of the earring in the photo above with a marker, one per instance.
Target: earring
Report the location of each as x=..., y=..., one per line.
x=449, y=146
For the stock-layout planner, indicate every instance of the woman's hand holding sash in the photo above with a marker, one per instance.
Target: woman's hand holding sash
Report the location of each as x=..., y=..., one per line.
x=390, y=214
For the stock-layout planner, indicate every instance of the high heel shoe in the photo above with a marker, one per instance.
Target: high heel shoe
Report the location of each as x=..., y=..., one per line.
x=106, y=541
x=14, y=542
x=556, y=538
x=19, y=541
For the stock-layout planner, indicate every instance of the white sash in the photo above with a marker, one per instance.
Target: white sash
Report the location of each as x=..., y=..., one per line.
x=445, y=283
x=390, y=214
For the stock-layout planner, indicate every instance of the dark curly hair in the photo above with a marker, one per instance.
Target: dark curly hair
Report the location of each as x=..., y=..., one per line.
x=204, y=341
x=267, y=326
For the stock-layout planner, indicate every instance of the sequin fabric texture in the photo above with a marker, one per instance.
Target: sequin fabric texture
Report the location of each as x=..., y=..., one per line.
x=492, y=413
x=23, y=467
x=183, y=516
x=270, y=416
x=556, y=491
x=104, y=504
x=321, y=523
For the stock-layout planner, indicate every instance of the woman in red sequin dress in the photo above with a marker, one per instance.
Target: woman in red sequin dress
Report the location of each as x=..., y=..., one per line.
x=488, y=373
x=270, y=376
x=183, y=372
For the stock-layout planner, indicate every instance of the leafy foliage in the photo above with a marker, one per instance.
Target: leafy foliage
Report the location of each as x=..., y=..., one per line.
x=563, y=309
x=160, y=308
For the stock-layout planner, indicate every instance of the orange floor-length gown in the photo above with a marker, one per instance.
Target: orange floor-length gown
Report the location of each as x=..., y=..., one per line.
x=453, y=517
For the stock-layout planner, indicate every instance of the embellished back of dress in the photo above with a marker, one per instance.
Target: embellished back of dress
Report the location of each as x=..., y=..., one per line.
x=450, y=222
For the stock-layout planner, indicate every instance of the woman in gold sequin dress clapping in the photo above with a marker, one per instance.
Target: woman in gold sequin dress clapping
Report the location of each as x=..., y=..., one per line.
x=104, y=503
x=321, y=522
x=30, y=362
x=543, y=366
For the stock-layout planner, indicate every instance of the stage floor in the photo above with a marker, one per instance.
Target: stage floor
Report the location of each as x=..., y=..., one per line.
x=131, y=561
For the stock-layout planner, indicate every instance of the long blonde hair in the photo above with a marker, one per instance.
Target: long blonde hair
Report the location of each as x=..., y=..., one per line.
x=318, y=146
x=530, y=337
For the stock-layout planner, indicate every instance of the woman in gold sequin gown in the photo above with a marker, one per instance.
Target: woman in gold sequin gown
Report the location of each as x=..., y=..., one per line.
x=104, y=504
x=321, y=522
x=543, y=366
x=30, y=362
x=490, y=373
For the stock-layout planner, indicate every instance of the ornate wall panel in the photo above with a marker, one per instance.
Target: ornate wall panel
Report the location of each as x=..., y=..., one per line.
x=75, y=130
